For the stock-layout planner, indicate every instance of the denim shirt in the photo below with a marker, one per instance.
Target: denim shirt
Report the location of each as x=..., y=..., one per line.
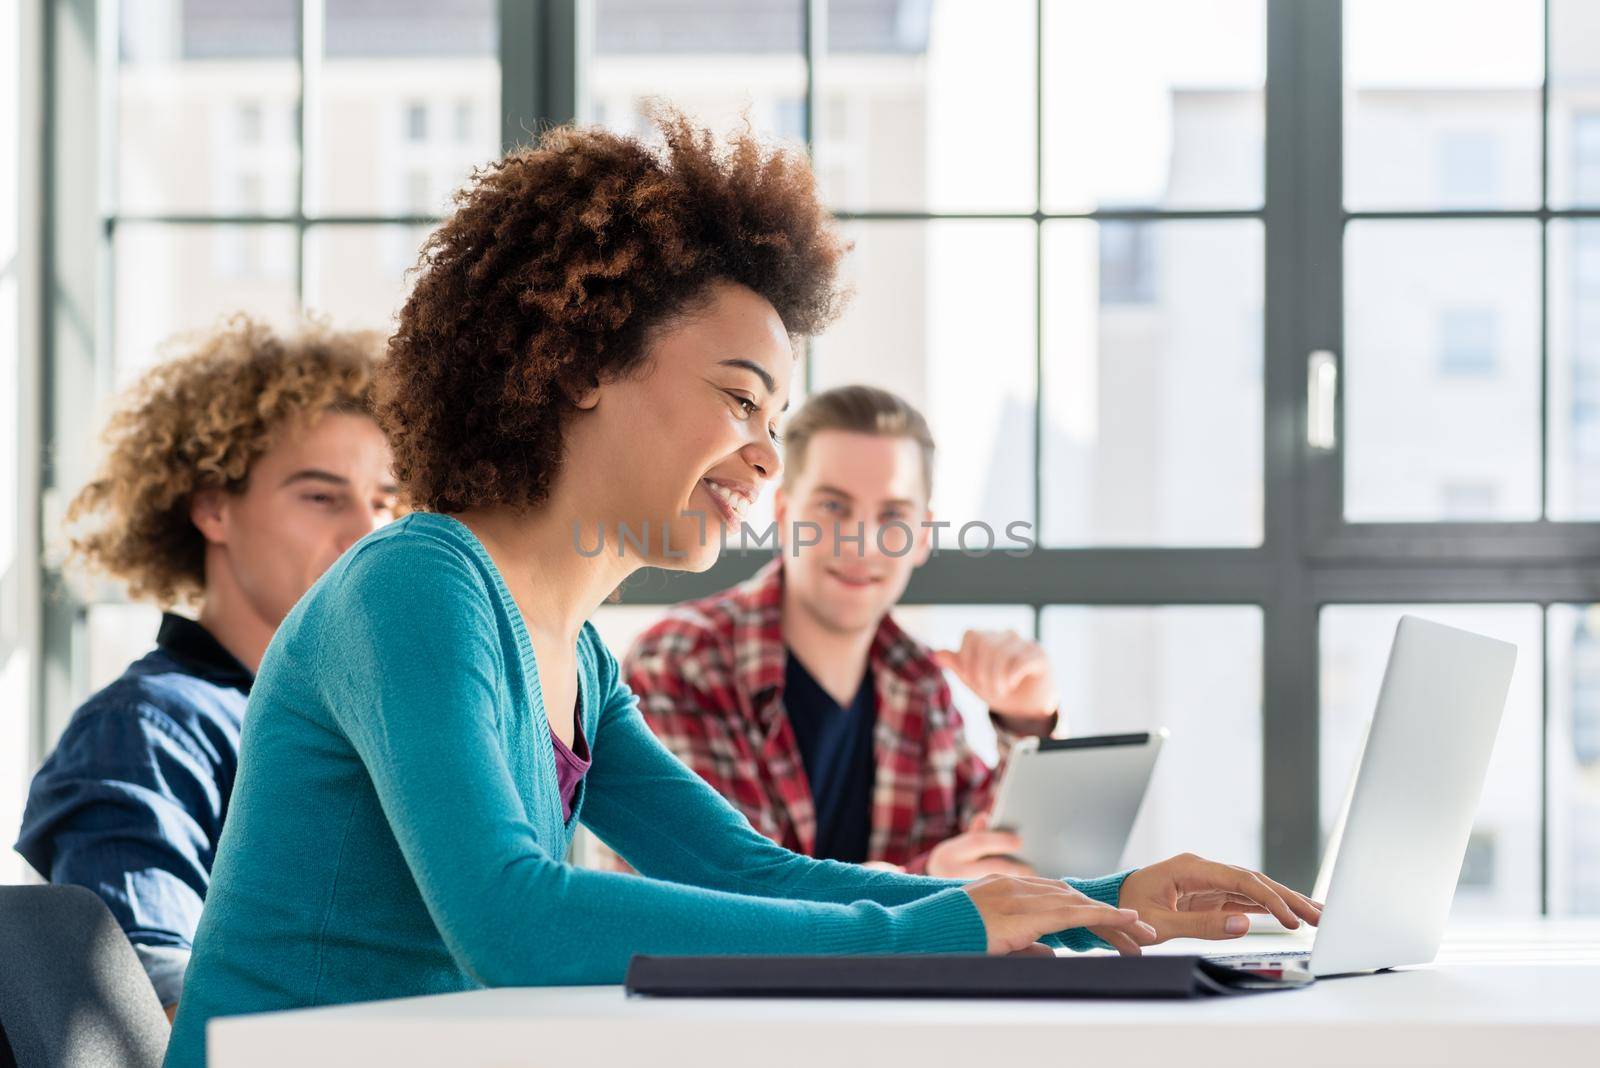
x=130, y=803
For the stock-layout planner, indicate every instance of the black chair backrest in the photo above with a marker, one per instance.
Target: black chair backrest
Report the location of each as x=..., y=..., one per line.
x=72, y=991
x=7, y=1058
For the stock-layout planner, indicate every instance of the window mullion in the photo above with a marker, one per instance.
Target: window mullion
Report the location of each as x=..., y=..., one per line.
x=307, y=127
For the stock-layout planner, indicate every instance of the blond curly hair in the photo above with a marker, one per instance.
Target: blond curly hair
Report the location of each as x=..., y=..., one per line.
x=200, y=421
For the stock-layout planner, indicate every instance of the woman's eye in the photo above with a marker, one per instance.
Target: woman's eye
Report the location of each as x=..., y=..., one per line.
x=749, y=406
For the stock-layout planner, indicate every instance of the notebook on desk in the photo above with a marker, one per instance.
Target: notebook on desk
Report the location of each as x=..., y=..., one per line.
x=946, y=976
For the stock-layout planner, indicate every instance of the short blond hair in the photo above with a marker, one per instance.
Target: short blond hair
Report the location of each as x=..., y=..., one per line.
x=200, y=421
x=856, y=410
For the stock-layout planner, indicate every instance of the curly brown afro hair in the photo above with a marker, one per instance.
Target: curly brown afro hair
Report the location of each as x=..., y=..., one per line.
x=559, y=261
x=199, y=421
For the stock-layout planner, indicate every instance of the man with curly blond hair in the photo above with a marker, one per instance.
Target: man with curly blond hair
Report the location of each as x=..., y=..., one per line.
x=235, y=475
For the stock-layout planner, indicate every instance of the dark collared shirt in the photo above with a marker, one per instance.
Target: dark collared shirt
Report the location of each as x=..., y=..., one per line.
x=130, y=804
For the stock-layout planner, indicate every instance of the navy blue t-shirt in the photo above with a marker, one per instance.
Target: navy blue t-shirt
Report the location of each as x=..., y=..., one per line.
x=836, y=749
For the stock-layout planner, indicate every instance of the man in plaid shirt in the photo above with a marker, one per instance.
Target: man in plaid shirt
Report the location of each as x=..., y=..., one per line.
x=797, y=696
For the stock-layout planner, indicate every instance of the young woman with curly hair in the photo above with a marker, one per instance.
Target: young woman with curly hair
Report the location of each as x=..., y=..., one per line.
x=234, y=476
x=600, y=335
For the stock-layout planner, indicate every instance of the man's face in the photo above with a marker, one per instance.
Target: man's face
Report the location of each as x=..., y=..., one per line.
x=866, y=484
x=306, y=500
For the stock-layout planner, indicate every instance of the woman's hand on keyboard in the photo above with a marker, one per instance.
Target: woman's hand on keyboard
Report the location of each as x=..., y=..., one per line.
x=1017, y=912
x=1191, y=897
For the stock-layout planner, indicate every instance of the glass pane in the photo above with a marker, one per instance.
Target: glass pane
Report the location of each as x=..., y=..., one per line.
x=1574, y=132
x=719, y=69
x=1154, y=103
x=1442, y=103
x=119, y=634
x=172, y=279
x=911, y=328
x=1441, y=393
x=1574, y=760
x=206, y=107
x=16, y=662
x=359, y=275
x=406, y=104
x=902, y=92
x=1152, y=383
x=1195, y=671
x=1501, y=871
x=941, y=627
x=1574, y=377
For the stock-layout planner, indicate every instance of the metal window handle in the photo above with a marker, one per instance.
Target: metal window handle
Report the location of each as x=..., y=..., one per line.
x=1322, y=400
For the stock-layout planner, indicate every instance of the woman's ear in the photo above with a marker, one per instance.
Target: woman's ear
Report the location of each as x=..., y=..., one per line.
x=581, y=393
x=207, y=510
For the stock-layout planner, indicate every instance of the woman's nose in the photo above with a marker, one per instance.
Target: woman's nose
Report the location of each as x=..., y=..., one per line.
x=763, y=456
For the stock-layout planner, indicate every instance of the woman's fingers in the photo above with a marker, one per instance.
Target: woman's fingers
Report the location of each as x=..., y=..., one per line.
x=1094, y=915
x=1016, y=912
x=1033, y=949
x=1250, y=885
x=1303, y=906
x=1118, y=940
x=1189, y=896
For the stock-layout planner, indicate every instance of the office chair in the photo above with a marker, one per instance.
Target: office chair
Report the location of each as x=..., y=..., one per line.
x=72, y=992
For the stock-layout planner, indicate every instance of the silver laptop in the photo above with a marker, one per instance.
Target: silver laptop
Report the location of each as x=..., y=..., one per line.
x=1396, y=854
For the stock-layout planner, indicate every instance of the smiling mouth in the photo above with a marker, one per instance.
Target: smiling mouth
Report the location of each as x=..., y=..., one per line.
x=732, y=501
x=855, y=582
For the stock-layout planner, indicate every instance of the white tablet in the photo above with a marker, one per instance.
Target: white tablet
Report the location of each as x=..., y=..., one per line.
x=1074, y=800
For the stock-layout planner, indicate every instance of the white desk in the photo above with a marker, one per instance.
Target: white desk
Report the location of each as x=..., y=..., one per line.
x=1522, y=994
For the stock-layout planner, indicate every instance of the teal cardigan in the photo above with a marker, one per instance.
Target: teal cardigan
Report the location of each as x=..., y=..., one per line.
x=396, y=827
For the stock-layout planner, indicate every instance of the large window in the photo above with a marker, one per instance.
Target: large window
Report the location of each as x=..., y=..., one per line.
x=1059, y=258
x=1469, y=416
x=1100, y=245
x=276, y=158
x=262, y=163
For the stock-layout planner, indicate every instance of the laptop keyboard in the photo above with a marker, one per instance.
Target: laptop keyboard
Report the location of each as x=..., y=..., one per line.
x=1284, y=956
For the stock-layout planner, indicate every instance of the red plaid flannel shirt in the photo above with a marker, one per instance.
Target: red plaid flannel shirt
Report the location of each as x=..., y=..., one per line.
x=709, y=677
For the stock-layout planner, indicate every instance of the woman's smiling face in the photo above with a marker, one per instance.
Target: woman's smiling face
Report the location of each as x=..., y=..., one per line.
x=679, y=450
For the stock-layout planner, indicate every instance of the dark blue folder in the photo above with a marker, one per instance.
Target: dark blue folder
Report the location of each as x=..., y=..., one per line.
x=945, y=976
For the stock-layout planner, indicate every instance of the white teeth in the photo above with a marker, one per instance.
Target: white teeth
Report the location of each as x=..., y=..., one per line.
x=738, y=502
